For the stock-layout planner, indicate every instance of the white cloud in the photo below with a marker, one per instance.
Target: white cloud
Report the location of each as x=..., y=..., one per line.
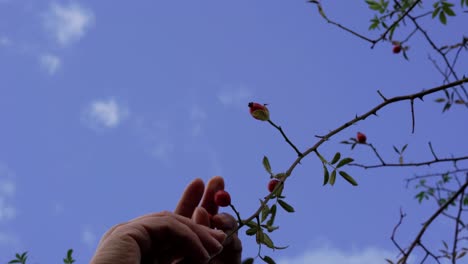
x=58, y=208
x=88, y=237
x=156, y=136
x=7, y=191
x=235, y=97
x=8, y=239
x=162, y=151
x=7, y=187
x=197, y=115
x=328, y=255
x=50, y=63
x=4, y=41
x=105, y=114
x=7, y=211
x=68, y=23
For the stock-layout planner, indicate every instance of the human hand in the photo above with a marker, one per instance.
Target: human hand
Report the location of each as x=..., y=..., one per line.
x=207, y=215
x=158, y=238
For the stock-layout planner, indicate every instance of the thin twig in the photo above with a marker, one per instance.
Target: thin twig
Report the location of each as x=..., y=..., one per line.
x=444, y=57
x=285, y=137
x=409, y=164
x=455, y=238
x=376, y=153
x=412, y=116
x=429, y=221
x=432, y=151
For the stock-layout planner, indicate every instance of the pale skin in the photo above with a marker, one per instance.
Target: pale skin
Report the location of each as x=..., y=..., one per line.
x=191, y=234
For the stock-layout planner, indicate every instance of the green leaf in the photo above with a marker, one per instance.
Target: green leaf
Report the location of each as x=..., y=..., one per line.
x=465, y=201
x=266, y=164
x=333, y=177
x=439, y=100
x=325, y=175
x=404, y=147
x=448, y=10
x=446, y=107
x=268, y=260
x=336, y=158
x=271, y=228
x=252, y=224
x=375, y=22
x=267, y=241
x=392, y=31
x=265, y=212
x=421, y=195
x=347, y=177
x=248, y=261
x=344, y=162
x=285, y=247
x=435, y=12
x=272, y=215
x=443, y=18
x=396, y=150
x=324, y=161
x=442, y=201
x=251, y=231
x=259, y=236
x=288, y=208
x=278, y=191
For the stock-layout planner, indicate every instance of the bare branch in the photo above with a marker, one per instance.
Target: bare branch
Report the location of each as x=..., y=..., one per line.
x=409, y=164
x=430, y=220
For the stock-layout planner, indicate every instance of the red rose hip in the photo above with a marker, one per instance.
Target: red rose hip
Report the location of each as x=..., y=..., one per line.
x=361, y=138
x=272, y=184
x=259, y=111
x=222, y=198
x=396, y=49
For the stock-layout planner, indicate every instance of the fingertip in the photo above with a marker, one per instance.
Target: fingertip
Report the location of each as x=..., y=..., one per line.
x=217, y=181
x=201, y=216
x=224, y=221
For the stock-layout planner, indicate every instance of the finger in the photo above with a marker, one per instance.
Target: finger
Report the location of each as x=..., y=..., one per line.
x=109, y=232
x=232, y=246
x=224, y=221
x=201, y=217
x=177, y=233
x=220, y=236
x=190, y=198
x=227, y=223
x=215, y=184
x=217, y=234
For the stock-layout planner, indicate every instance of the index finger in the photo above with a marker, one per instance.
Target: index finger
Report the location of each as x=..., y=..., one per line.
x=215, y=184
x=190, y=198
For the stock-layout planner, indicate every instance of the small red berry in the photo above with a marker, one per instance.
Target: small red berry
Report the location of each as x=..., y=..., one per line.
x=361, y=138
x=396, y=49
x=272, y=184
x=222, y=198
x=259, y=111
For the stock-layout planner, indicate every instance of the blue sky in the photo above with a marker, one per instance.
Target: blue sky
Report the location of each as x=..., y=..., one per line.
x=109, y=108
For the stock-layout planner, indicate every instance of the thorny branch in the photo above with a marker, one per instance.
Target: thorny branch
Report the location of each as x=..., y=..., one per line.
x=417, y=240
x=326, y=137
x=427, y=163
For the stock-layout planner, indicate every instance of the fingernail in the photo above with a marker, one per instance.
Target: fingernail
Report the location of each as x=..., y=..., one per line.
x=219, y=251
x=218, y=235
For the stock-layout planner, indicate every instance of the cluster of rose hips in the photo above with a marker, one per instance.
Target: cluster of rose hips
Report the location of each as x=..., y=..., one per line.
x=222, y=198
x=260, y=112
